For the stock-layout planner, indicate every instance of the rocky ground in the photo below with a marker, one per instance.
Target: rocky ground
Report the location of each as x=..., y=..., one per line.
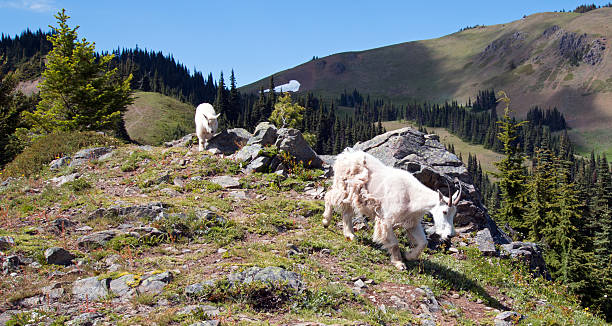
x=141, y=235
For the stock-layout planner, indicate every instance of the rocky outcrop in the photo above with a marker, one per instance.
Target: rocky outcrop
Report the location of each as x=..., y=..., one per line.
x=229, y=141
x=528, y=252
x=285, y=139
x=428, y=160
x=503, y=45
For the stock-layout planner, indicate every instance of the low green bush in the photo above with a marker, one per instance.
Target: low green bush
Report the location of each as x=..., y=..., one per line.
x=46, y=148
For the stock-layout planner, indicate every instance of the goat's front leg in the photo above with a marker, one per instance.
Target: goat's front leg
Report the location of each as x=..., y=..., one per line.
x=420, y=242
x=200, y=147
x=347, y=222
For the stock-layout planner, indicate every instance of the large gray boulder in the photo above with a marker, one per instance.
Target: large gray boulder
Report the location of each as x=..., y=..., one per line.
x=291, y=140
x=88, y=154
x=229, y=141
x=528, y=252
x=58, y=256
x=90, y=288
x=97, y=239
x=429, y=161
x=265, y=134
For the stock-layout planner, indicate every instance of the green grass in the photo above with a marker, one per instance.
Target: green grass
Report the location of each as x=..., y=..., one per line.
x=155, y=118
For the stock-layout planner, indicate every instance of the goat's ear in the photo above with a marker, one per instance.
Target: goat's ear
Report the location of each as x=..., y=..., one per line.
x=216, y=115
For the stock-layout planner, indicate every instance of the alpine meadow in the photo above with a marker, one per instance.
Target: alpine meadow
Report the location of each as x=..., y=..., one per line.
x=114, y=212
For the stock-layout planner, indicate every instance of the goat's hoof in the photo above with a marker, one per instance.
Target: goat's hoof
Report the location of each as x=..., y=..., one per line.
x=399, y=265
x=325, y=222
x=349, y=237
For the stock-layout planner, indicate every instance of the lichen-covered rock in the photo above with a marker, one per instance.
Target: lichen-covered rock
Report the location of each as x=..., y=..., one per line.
x=507, y=318
x=123, y=286
x=60, y=162
x=269, y=275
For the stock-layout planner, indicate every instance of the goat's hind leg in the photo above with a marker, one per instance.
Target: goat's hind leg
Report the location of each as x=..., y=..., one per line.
x=383, y=233
x=347, y=222
x=420, y=242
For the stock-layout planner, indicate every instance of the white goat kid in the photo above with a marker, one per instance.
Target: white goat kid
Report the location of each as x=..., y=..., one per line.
x=392, y=197
x=206, y=123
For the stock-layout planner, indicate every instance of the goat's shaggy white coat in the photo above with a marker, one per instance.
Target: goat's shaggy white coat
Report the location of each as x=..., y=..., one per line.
x=206, y=123
x=392, y=197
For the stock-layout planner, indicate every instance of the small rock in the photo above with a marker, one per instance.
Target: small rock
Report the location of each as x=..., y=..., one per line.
x=90, y=288
x=507, y=318
x=431, y=302
x=96, y=240
x=58, y=256
x=66, y=178
x=226, y=181
x=197, y=287
x=485, y=242
x=206, y=323
x=360, y=284
x=60, y=162
x=6, y=242
x=61, y=224
x=155, y=283
x=455, y=296
x=326, y=251
x=221, y=250
x=170, y=192
x=178, y=182
x=208, y=311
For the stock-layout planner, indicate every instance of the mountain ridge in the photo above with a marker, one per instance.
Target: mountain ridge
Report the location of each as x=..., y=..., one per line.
x=533, y=59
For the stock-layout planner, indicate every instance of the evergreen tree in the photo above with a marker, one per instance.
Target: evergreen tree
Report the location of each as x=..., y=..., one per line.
x=286, y=113
x=78, y=90
x=541, y=189
x=511, y=173
x=234, y=100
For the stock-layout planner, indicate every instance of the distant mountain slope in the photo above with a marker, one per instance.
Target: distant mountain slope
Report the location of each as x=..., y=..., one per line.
x=155, y=118
x=546, y=59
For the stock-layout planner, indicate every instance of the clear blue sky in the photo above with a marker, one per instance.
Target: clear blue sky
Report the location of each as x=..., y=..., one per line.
x=258, y=38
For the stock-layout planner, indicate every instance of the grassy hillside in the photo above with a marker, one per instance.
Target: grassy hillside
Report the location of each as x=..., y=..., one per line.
x=529, y=58
x=155, y=118
x=207, y=232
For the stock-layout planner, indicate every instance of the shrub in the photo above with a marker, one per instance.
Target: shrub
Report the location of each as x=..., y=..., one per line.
x=262, y=296
x=46, y=148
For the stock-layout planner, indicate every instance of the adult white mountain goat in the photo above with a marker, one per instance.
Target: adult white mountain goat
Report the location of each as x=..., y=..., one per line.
x=392, y=197
x=206, y=123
